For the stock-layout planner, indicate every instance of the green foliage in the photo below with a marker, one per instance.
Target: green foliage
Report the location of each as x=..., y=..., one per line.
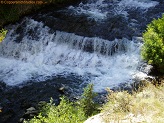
x=2, y=34
x=153, y=48
x=87, y=103
x=66, y=111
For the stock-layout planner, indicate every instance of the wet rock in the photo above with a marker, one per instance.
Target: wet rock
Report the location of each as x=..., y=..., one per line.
x=21, y=120
x=31, y=109
x=41, y=104
x=30, y=113
x=61, y=90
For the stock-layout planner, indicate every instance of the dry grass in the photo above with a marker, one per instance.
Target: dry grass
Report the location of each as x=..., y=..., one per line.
x=145, y=106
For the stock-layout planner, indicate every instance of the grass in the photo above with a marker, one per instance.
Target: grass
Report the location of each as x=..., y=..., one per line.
x=143, y=106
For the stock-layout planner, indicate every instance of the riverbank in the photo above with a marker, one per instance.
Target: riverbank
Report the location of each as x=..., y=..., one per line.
x=17, y=100
x=144, y=105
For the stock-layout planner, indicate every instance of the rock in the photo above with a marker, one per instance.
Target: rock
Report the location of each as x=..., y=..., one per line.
x=30, y=113
x=42, y=103
x=21, y=120
x=95, y=119
x=62, y=90
x=31, y=110
x=130, y=118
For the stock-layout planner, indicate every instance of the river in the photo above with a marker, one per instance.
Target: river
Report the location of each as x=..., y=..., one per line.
x=97, y=41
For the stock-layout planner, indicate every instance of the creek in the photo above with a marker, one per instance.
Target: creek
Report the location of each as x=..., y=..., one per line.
x=96, y=41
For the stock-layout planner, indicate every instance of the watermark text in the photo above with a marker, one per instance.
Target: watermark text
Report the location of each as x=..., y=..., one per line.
x=22, y=2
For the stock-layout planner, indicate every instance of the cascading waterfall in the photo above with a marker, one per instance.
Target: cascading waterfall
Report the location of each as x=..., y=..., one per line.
x=56, y=52
x=39, y=53
x=107, y=63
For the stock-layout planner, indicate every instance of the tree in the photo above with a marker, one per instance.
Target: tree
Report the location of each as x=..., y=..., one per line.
x=87, y=103
x=153, y=47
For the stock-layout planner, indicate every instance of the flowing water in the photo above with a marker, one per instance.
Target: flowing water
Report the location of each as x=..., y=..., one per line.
x=97, y=40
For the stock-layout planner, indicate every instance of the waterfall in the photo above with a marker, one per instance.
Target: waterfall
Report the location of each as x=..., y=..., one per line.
x=102, y=62
x=95, y=40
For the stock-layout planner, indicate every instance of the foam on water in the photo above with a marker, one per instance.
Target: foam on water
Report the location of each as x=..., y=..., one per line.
x=125, y=5
x=107, y=64
x=100, y=9
x=142, y=4
x=95, y=9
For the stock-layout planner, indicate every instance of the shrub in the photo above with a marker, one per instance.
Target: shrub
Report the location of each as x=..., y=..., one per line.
x=2, y=34
x=66, y=111
x=153, y=48
x=87, y=103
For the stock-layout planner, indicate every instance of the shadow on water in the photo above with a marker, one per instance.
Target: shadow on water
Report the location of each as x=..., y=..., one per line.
x=15, y=100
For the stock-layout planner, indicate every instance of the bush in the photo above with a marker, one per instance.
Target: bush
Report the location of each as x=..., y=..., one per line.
x=87, y=103
x=2, y=34
x=66, y=111
x=153, y=48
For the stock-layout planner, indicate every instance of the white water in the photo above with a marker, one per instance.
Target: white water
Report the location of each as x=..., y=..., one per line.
x=93, y=9
x=64, y=53
x=142, y=4
x=100, y=9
